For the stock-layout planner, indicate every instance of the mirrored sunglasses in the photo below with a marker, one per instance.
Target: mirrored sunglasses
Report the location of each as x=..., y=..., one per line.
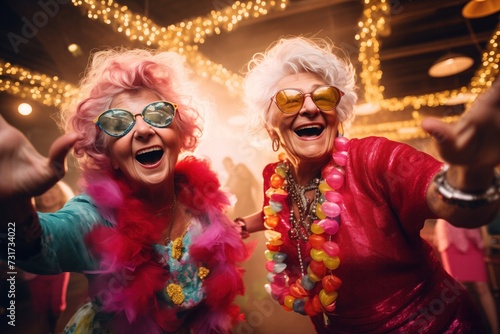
x=118, y=122
x=290, y=100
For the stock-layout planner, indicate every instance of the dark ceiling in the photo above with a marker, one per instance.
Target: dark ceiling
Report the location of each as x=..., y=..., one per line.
x=420, y=32
x=35, y=35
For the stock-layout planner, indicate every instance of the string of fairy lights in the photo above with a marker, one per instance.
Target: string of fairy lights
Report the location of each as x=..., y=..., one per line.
x=373, y=21
x=488, y=71
x=184, y=37
x=42, y=88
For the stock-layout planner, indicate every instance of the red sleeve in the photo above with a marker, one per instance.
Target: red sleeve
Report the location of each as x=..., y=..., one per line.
x=395, y=175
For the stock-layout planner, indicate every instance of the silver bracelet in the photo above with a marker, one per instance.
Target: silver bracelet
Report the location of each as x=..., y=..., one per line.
x=462, y=199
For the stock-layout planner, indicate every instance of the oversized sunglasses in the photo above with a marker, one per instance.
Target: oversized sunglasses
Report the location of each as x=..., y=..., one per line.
x=291, y=100
x=118, y=122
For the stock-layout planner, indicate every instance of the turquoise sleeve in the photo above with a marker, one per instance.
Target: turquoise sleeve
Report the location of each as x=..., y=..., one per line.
x=63, y=232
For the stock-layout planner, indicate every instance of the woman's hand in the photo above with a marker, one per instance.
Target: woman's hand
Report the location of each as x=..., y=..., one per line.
x=241, y=227
x=23, y=171
x=471, y=148
x=474, y=141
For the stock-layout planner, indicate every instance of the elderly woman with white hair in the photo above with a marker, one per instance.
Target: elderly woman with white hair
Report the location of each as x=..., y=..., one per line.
x=343, y=217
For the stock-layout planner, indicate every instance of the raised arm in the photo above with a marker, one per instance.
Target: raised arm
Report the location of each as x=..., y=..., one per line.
x=24, y=174
x=466, y=192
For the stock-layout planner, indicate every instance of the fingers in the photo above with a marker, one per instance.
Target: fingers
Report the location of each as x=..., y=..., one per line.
x=58, y=152
x=6, y=130
x=444, y=136
x=441, y=132
x=4, y=124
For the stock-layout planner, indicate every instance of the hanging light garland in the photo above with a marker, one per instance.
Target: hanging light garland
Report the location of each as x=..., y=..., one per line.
x=373, y=21
x=488, y=71
x=179, y=35
x=399, y=130
x=185, y=36
x=19, y=81
x=427, y=100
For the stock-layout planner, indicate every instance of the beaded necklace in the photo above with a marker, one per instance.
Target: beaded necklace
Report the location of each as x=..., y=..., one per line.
x=318, y=221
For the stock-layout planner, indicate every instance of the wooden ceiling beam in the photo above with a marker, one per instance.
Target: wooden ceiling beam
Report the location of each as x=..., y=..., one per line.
x=423, y=48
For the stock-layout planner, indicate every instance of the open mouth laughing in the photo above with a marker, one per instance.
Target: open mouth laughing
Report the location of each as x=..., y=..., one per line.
x=309, y=131
x=149, y=156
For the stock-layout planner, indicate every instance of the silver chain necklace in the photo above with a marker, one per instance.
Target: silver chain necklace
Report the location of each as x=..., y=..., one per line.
x=300, y=229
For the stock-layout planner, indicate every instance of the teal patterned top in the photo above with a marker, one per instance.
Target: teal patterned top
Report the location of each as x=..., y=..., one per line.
x=64, y=249
x=183, y=272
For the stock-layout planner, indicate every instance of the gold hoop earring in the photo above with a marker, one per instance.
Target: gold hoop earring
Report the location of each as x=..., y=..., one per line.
x=340, y=130
x=276, y=144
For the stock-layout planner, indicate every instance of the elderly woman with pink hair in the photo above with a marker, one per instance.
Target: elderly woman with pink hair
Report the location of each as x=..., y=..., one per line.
x=149, y=229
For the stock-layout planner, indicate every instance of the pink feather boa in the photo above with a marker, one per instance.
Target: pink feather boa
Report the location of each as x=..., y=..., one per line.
x=130, y=275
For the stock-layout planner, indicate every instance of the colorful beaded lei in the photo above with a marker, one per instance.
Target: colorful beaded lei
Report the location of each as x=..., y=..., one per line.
x=324, y=252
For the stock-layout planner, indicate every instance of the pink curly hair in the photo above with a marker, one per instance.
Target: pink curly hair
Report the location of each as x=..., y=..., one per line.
x=114, y=71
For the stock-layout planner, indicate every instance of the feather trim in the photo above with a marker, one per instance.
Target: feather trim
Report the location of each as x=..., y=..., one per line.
x=130, y=275
x=104, y=190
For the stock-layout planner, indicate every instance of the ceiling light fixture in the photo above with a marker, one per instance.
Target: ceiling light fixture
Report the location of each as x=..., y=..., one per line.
x=480, y=8
x=75, y=50
x=24, y=109
x=450, y=64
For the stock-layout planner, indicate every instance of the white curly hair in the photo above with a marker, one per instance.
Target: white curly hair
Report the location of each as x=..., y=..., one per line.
x=297, y=55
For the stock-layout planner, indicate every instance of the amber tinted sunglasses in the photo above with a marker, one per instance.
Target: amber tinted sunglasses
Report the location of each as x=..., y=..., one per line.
x=291, y=100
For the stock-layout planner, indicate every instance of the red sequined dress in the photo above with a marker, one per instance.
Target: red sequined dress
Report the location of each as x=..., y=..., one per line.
x=392, y=282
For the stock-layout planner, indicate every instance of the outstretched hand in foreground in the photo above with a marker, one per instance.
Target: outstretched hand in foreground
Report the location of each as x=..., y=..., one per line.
x=25, y=172
x=474, y=140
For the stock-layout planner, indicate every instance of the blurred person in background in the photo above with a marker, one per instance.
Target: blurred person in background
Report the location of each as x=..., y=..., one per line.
x=48, y=292
x=244, y=186
x=462, y=255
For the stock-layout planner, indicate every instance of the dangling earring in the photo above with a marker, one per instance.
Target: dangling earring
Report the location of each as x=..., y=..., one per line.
x=340, y=130
x=276, y=144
